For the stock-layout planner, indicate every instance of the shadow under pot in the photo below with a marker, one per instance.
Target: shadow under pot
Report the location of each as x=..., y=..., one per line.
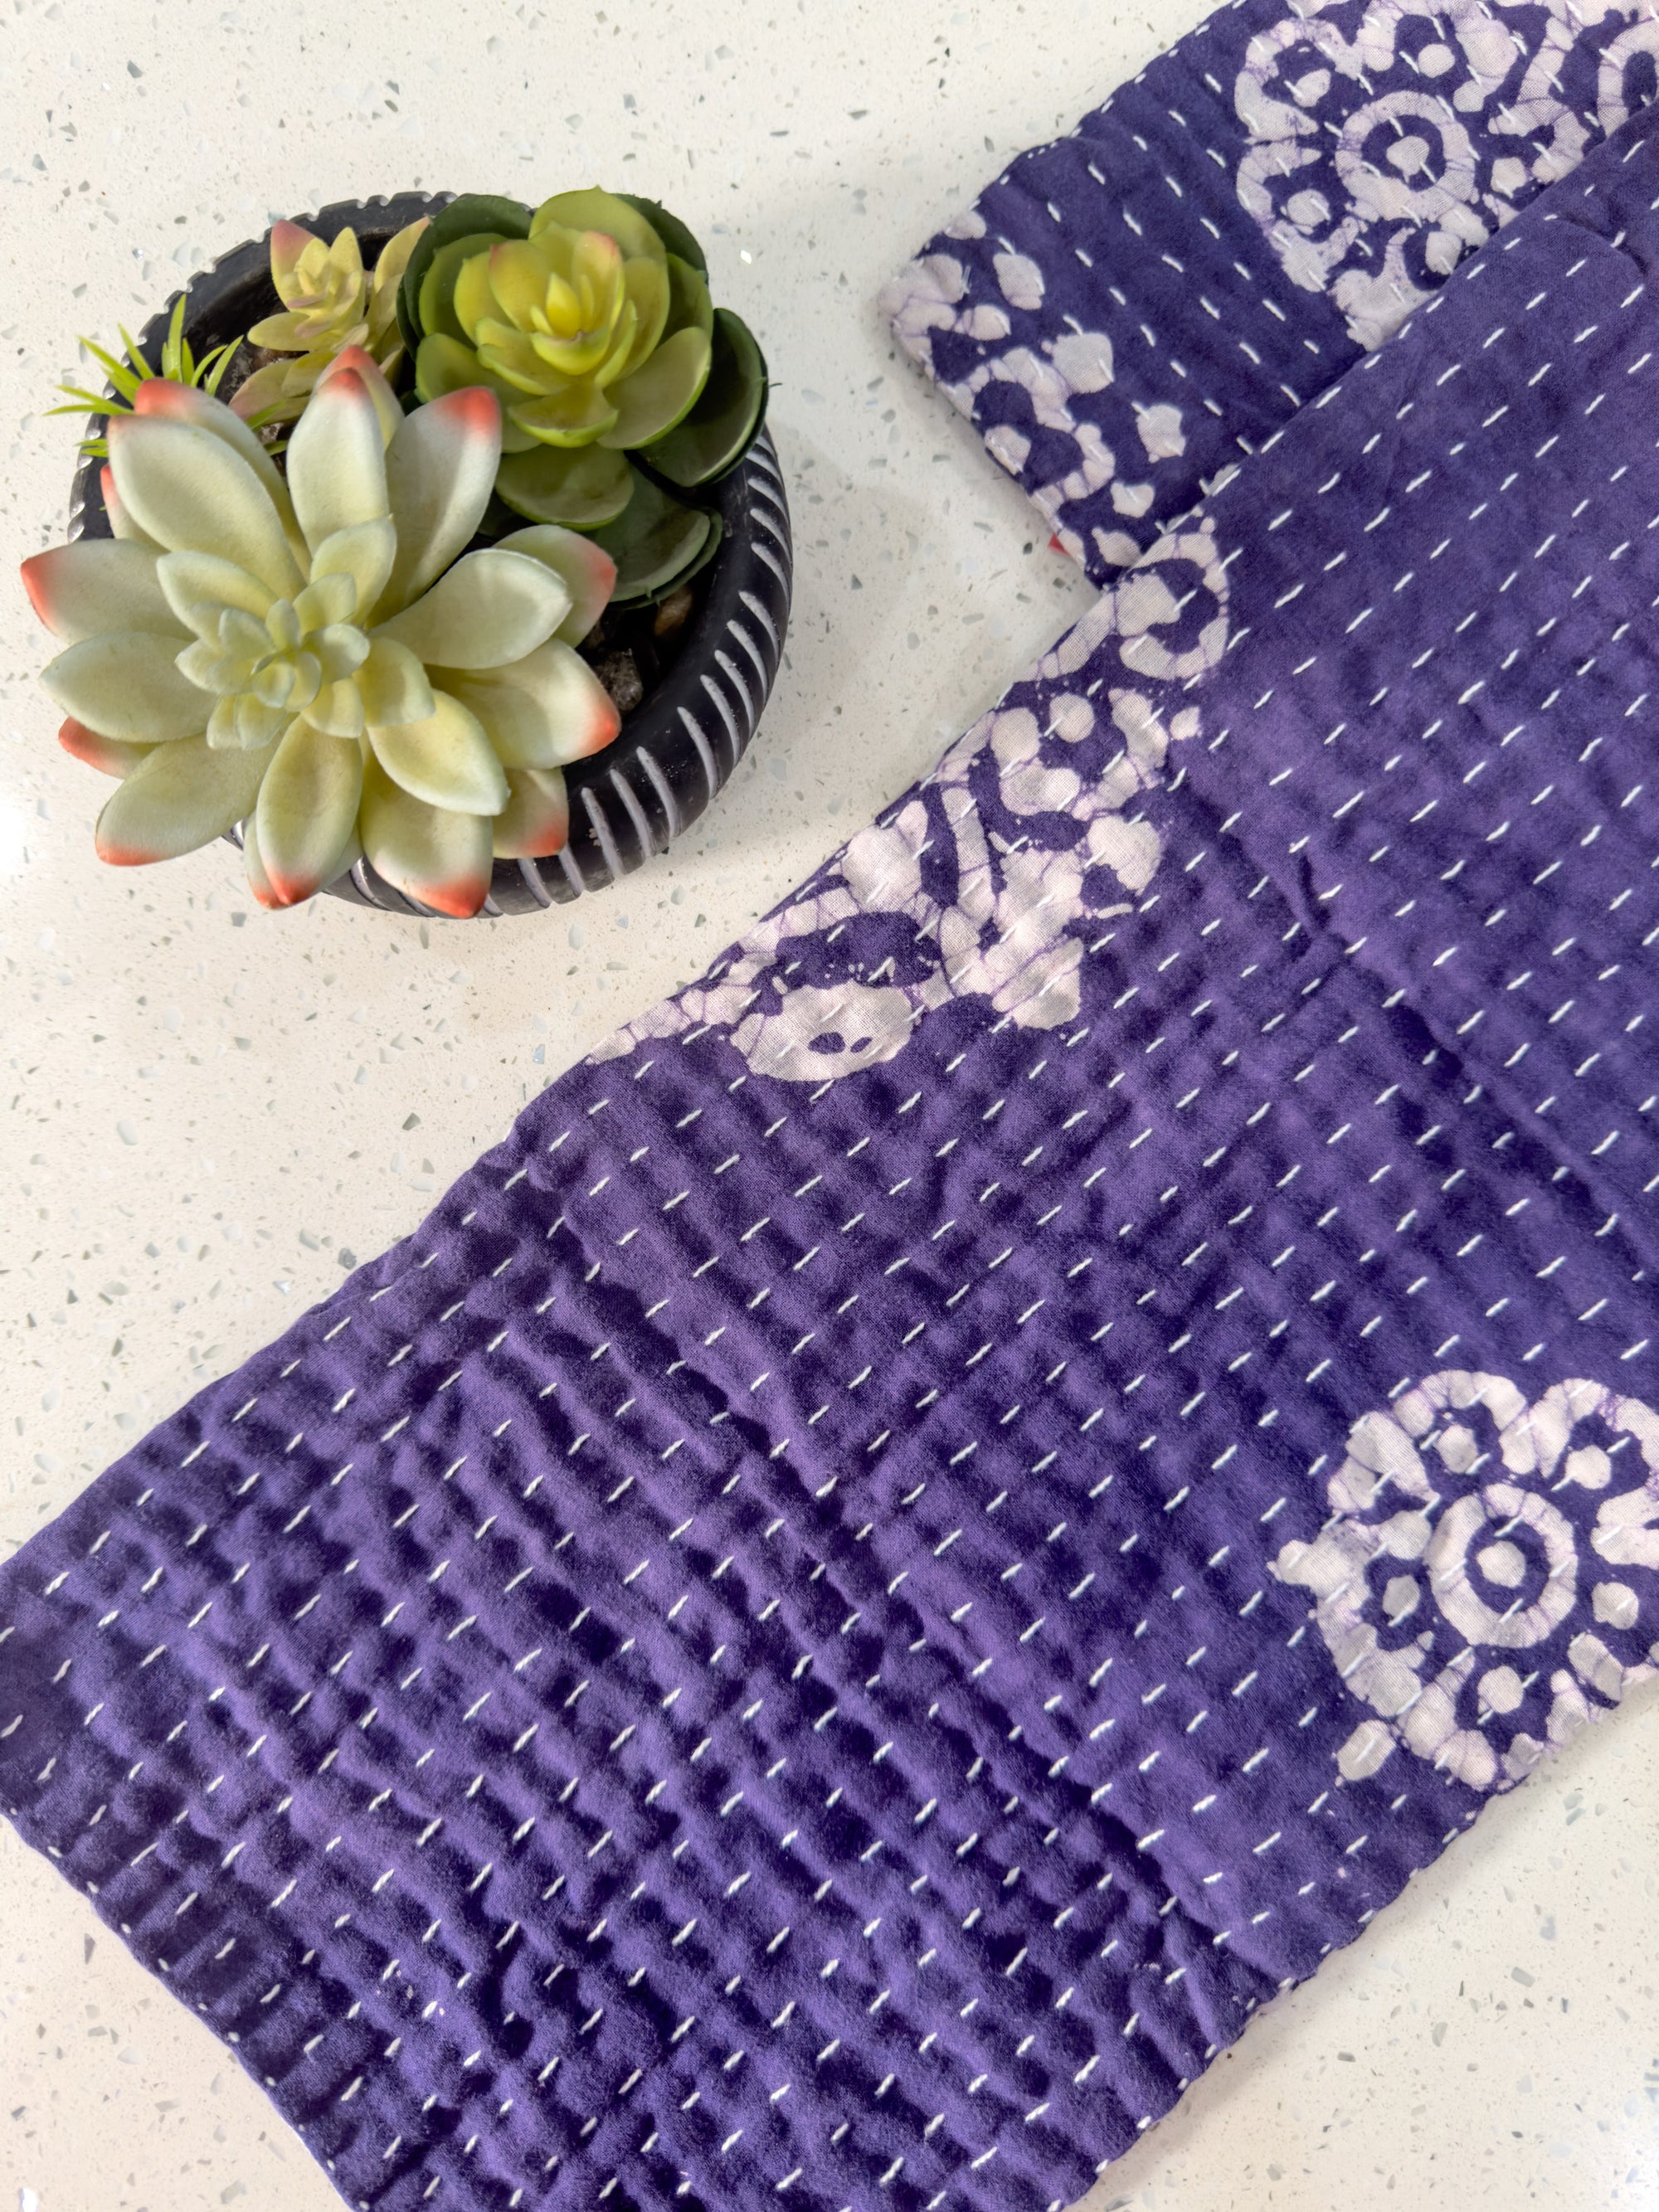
x=704, y=680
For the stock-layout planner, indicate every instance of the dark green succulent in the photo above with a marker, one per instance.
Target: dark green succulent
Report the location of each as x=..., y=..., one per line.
x=622, y=388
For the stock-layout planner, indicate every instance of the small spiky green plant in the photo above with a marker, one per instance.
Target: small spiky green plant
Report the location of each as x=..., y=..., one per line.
x=179, y=366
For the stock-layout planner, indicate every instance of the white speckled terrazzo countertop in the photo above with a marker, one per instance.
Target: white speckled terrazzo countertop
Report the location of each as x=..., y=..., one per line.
x=210, y=1111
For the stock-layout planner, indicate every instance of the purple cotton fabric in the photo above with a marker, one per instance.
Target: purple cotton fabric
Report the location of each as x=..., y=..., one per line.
x=982, y=1488
x=1134, y=308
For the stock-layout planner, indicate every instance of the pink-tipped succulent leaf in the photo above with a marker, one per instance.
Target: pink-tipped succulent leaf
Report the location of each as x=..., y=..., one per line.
x=543, y=711
x=288, y=241
x=587, y=571
x=100, y=583
x=336, y=460
x=441, y=470
x=363, y=364
x=120, y=520
x=307, y=811
x=183, y=403
x=182, y=795
x=257, y=881
x=446, y=759
x=487, y=611
x=190, y=489
x=439, y=858
x=107, y=755
x=535, y=824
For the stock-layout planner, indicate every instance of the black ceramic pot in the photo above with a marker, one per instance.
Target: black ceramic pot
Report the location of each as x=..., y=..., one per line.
x=682, y=742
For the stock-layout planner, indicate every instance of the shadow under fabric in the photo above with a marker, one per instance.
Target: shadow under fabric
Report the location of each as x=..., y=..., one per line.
x=983, y=1487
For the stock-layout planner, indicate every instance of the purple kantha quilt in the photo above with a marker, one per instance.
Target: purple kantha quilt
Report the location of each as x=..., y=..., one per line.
x=982, y=1488
x=1126, y=313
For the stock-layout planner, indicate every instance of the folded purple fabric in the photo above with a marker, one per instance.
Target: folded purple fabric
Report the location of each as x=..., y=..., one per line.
x=1127, y=311
x=979, y=1492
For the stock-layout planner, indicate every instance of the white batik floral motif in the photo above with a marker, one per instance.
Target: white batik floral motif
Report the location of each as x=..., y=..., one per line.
x=930, y=295
x=1488, y=1580
x=1386, y=143
x=1004, y=912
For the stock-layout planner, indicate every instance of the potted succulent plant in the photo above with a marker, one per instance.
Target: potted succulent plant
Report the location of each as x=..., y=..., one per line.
x=445, y=566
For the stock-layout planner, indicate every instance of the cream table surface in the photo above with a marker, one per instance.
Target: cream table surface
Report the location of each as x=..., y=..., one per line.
x=211, y=1111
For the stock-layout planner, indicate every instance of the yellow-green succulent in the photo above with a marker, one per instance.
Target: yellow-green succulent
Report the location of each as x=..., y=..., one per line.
x=330, y=304
x=591, y=320
x=570, y=327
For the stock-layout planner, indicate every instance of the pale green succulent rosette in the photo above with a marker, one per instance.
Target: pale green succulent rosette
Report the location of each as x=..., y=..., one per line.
x=621, y=385
x=316, y=656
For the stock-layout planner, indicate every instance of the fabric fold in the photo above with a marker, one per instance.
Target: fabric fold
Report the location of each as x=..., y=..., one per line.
x=984, y=1486
x=1133, y=309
